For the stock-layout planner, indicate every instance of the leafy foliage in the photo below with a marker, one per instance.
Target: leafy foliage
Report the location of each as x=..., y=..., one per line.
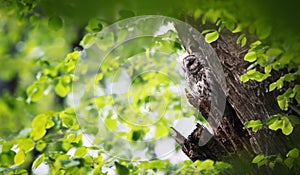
x=254, y=124
x=35, y=45
x=280, y=122
x=291, y=160
x=203, y=167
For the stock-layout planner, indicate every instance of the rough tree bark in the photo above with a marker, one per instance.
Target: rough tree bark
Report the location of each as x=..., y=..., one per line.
x=244, y=102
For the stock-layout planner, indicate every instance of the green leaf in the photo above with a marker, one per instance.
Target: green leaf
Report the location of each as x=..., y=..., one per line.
x=277, y=65
x=255, y=44
x=65, y=79
x=251, y=72
x=98, y=170
x=41, y=145
x=289, y=77
x=6, y=146
x=197, y=13
x=256, y=75
x=272, y=119
x=137, y=134
x=289, y=162
x=94, y=25
x=72, y=57
x=262, y=30
x=153, y=164
x=205, y=165
x=121, y=169
x=275, y=124
x=38, y=133
x=34, y=92
x=283, y=103
x=49, y=122
x=268, y=69
x=211, y=37
x=250, y=56
x=207, y=31
x=296, y=91
x=20, y=171
x=55, y=22
x=62, y=88
x=294, y=153
x=262, y=59
x=287, y=127
x=272, y=165
x=19, y=157
x=260, y=160
x=286, y=58
x=272, y=86
x=284, y=99
x=71, y=138
x=242, y=40
x=69, y=163
x=88, y=40
x=80, y=152
x=66, y=146
x=278, y=84
x=70, y=62
x=274, y=52
x=68, y=118
x=244, y=78
x=38, y=161
x=161, y=131
x=163, y=79
x=26, y=145
x=278, y=159
x=78, y=138
x=98, y=77
x=222, y=165
x=110, y=123
x=212, y=15
x=280, y=122
x=106, y=41
x=7, y=159
x=88, y=161
x=238, y=28
x=50, y=72
x=230, y=25
x=39, y=125
x=122, y=34
x=254, y=124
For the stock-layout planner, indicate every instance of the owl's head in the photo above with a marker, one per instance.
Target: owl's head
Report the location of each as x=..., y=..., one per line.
x=191, y=64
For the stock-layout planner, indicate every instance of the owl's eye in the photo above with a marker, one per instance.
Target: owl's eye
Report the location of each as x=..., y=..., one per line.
x=192, y=64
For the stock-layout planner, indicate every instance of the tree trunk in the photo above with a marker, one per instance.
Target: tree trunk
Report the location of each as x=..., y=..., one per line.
x=243, y=102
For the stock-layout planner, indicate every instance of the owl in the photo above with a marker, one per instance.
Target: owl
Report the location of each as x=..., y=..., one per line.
x=206, y=94
x=199, y=79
